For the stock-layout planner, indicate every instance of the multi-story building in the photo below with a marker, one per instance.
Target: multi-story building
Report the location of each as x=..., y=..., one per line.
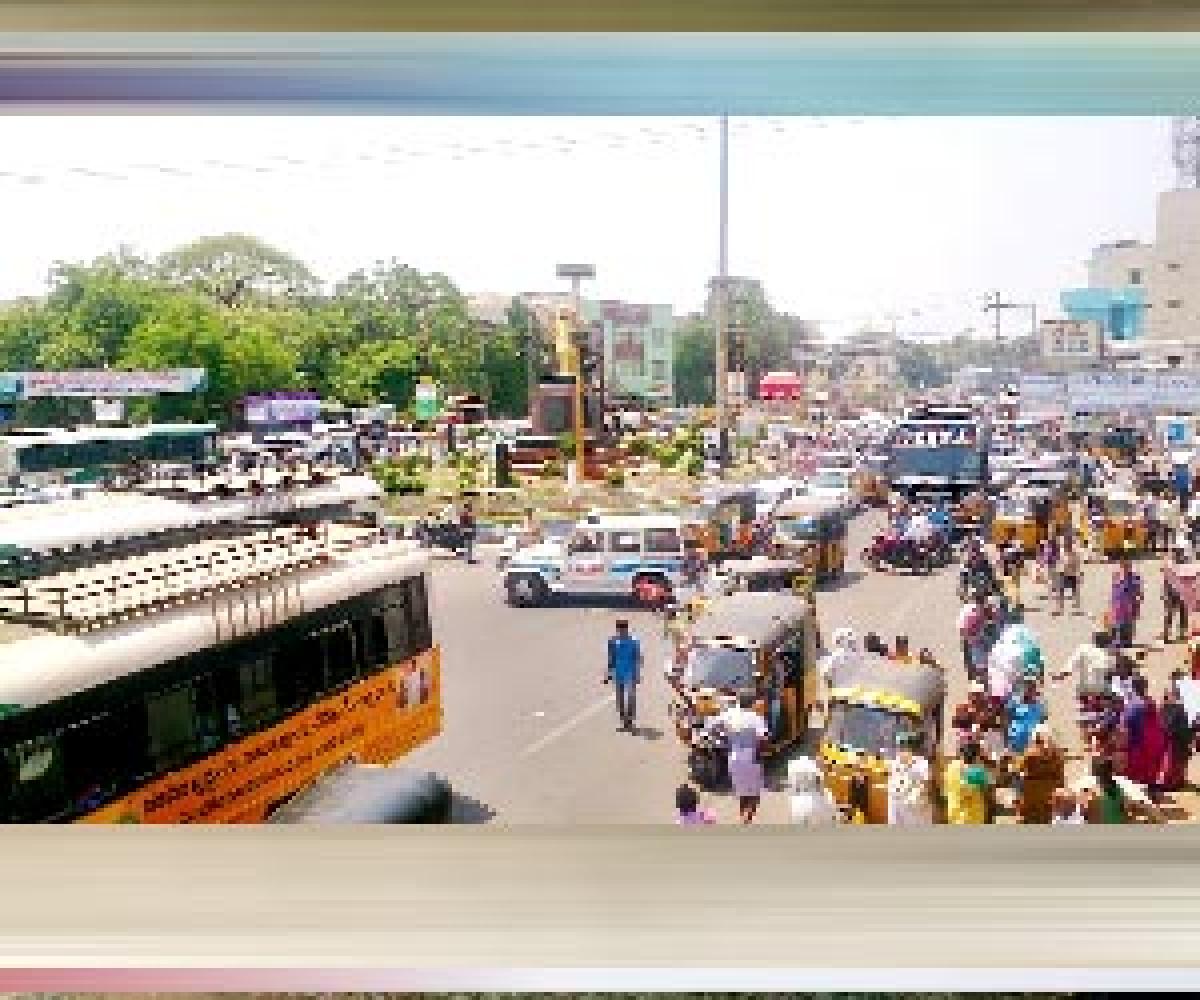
x=1115, y=298
x=1148, y=293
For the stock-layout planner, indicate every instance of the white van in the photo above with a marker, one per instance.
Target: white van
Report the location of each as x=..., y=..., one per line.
x=617, y=555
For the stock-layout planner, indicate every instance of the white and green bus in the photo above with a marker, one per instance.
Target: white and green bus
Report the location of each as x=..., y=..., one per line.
x=47, y=456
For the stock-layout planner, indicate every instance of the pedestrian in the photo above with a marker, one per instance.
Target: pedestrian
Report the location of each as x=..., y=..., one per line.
x=1072, y=572
x=1151, y=519
x=1125, y=603
x=466, y=527
x=1025, y=713
x=1006, y=662
x=901, y=652
x=872, y=643
x=1180, y=739
x=908, y=798
x=967, y=788
x=1042, y=769
x=1066, y=809
x=812, y=803
x=1106, y=802
x=971, y=620
x=1143, y=737
x=1174, y=609
x=746, y=731
x=687, y=808
x=624, y=672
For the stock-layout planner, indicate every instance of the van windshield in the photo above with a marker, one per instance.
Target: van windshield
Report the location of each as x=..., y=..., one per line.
x=720, y=667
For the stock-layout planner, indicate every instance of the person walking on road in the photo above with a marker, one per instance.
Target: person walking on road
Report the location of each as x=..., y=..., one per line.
x=466, y=527
x=747, y=732
x=1072, y=573
x=1174, y=610
x=688, y=811
x=625, y=673
x=908, y=786
x=1144, y=737
x=967, y=788
x=1125, y=603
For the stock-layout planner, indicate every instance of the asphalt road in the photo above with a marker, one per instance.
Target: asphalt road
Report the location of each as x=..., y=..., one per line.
x=531, y=733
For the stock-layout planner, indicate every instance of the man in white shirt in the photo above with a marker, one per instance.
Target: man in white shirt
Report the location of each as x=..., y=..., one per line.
x=1089, y=665
x=920, y=528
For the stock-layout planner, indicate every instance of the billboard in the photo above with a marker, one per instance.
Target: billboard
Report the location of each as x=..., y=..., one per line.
x=1102, y=392
x=282, y=408
x=1043, y=392
x=104, y=384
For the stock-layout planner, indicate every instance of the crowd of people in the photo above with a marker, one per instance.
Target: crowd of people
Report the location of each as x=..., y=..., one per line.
x=1007, y=757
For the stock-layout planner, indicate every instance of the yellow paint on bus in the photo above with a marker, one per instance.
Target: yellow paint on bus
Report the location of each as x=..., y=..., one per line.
x=375, y=720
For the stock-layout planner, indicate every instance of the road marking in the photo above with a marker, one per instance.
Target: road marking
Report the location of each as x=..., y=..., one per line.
x=559, y=731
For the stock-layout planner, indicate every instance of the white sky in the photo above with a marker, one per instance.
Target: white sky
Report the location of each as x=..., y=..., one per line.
x=846, y=221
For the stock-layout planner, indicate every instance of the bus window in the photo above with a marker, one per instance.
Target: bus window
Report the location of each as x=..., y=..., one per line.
x=171, y=722
x=373, y=640
x=418, y=616
x=209, y=715
x=256, y=705
x=341, y=655
x=35, y=769
x=395, y=617
x=103, y=755
x=298, y=667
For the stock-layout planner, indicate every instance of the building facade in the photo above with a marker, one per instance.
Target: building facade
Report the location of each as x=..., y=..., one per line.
x=1148, y=291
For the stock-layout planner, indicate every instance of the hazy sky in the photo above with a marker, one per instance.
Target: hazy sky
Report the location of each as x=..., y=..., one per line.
x=845, y=221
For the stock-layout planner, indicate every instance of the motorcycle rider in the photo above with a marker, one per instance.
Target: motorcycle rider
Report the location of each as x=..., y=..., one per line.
x=977, y=571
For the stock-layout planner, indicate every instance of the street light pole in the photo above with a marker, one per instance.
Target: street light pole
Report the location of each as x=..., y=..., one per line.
x=720, y=303
x=576, y=273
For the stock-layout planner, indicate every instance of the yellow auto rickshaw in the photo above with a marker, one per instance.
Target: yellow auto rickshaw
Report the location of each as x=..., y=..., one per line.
x=721, y=522
x=872, y=704
x=765, y=643
x=1113, y=525
x=1015, y=521
x=873, y=481
x=813, y=532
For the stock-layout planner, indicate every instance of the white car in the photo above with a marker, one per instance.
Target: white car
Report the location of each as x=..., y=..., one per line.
x=836, y=485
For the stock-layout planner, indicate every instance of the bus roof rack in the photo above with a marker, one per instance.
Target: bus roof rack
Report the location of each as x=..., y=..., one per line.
x=82, y=599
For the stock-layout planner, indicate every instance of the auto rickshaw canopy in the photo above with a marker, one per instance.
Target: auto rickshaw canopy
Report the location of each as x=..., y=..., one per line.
x=905, y=688
x=752, y=620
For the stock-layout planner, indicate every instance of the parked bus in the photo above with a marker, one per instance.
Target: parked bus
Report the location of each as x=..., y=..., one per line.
x=50, y=456
x=213, y=692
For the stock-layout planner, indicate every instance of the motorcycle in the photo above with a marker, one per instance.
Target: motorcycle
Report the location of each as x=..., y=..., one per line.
x=900, y=553
x=442, y=535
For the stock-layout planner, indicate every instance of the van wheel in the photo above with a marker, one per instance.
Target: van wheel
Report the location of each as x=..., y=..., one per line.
x=651, y=591
x=527, y=590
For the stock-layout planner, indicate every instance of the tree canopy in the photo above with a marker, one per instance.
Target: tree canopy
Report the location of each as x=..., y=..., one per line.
x=256, y=319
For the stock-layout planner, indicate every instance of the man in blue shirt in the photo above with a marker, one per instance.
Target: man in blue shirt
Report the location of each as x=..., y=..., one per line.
x=624, y=672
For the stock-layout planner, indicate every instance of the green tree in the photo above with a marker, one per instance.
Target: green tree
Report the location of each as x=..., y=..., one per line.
x=238, y=353
x=235, y=267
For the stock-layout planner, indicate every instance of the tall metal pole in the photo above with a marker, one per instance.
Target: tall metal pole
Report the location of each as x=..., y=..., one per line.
x=720, y=302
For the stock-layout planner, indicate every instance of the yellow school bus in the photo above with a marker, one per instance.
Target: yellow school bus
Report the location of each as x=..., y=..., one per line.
x=215, y=705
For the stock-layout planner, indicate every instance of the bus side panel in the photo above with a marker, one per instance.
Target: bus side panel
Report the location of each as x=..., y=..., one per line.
x=375, y=720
